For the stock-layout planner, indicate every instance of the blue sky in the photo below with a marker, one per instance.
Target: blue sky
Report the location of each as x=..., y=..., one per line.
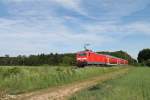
x=44, y=26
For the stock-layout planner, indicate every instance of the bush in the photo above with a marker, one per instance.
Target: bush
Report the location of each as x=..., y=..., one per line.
x=11, y=72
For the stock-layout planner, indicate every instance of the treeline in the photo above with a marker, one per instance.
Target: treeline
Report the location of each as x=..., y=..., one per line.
x=54, y=59
x=37, y=60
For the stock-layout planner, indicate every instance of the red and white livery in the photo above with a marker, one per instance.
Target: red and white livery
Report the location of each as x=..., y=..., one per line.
x=89, y=57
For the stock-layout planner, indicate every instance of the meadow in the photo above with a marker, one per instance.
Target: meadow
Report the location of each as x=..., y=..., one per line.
x=21, y=79
x=133, y=86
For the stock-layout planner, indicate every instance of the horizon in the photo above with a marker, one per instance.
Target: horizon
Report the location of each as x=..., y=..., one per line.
x=63, y=26
x=66, y=53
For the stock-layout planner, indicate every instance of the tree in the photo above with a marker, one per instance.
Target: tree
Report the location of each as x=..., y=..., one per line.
x=67, y=60
x=7, y=55
x=144, y=56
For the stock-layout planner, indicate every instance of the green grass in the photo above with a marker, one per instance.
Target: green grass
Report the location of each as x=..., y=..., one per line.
x=133, y=86
x=21, y=79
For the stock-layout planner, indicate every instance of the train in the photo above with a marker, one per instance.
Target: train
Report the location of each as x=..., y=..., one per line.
x=88, y=57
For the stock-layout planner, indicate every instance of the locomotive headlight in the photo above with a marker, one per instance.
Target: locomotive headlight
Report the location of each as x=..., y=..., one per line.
x=81, y=58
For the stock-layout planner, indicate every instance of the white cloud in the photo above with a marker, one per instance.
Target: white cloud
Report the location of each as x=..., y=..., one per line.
x=112, y=10
x=69, y=3
x=140, y=27
x=39, y=35
x=119, y=29
x=95, y=9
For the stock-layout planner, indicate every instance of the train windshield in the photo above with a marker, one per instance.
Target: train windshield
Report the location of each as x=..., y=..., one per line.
x=82, y=54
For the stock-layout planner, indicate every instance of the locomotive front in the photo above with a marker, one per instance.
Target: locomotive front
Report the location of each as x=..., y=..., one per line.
x=81, y=59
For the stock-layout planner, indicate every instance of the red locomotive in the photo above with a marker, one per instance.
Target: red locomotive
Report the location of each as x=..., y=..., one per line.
x=89, y=57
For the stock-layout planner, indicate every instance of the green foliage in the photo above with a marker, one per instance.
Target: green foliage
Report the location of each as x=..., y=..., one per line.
x=133, y=86
x=23, y=79
x=144, y=57
x=67, y=60
x=11, y=72
x=37, y=60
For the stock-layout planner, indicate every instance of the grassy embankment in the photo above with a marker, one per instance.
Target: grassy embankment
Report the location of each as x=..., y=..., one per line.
x=16, y=80
x=133, y=86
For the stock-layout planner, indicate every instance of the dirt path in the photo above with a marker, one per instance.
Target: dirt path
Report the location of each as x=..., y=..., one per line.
x=61, y=93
